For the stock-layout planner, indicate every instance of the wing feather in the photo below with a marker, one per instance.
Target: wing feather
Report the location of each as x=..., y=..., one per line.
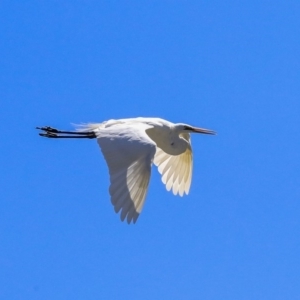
x=176, y=171
x=185, y=169
x=189, y=178
x=129, y=153
x=139, y=195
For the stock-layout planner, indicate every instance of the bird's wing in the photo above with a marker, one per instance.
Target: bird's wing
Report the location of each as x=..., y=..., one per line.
x=176, y=170
x=129, y=153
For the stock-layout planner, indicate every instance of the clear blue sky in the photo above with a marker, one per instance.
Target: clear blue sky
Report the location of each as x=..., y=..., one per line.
x=231, y=66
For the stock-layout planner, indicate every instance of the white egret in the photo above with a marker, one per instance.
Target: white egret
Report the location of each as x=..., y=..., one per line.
x=130, y=146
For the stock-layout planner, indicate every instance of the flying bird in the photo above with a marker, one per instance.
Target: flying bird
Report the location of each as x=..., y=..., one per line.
x=130, y=146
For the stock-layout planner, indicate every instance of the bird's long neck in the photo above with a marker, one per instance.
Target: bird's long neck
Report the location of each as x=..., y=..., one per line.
x=169, y=140
x=178, y=145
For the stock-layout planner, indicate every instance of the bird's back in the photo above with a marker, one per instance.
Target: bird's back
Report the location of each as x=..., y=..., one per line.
x=136, y=121
x=158, y=124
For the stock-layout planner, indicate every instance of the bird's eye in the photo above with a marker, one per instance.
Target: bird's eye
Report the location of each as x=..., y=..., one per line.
x=187, y=128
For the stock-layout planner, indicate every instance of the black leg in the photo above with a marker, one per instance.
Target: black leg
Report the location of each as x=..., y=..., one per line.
x=50, y=132
x=54, y=130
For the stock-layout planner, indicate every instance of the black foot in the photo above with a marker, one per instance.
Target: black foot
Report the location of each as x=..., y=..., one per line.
x=48, y=129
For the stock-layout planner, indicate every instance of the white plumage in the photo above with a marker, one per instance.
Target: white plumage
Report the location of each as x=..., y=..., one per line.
x=130, y=146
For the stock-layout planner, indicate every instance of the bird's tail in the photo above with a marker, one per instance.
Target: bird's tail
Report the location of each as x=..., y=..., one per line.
x=86, y=127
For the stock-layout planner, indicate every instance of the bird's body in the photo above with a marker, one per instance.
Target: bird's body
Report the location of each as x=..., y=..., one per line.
x=130, y=146
x=163, y=133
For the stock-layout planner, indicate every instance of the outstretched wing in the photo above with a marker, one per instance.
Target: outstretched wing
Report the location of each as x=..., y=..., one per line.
x=129, y=153
x=176, y=170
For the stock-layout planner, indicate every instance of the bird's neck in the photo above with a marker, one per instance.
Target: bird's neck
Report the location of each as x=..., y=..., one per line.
x=177, y=144
x=169, y=141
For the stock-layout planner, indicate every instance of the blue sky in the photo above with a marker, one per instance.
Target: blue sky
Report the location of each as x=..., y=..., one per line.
x=231, y=66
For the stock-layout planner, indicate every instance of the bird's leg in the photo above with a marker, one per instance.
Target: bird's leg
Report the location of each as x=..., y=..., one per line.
x=50, y=132
x=56, y=131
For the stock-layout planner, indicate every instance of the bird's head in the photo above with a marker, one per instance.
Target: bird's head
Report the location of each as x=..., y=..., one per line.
x=184, y=128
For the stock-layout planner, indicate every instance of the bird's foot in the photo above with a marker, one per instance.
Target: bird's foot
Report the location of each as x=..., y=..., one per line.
x=48, y=129
x=49, y=135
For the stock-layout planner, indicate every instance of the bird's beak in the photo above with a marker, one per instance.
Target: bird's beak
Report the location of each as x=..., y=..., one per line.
x=203, y=130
